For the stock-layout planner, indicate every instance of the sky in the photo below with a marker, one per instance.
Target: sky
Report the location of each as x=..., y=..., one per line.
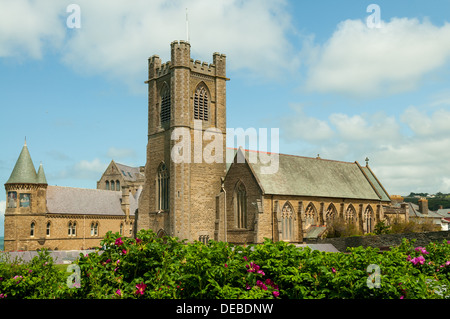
x=346, y=80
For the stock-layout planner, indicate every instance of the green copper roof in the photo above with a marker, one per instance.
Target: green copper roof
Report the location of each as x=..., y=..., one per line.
x=24, y=171
x=41, y=175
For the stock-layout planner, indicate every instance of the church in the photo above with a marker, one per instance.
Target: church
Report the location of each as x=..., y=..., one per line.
x=233, y=199
x=229, y=195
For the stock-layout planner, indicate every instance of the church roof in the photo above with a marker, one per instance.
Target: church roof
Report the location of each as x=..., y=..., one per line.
x=129, y=173
x=316, y=177
x=24, y=171
x=74, y=201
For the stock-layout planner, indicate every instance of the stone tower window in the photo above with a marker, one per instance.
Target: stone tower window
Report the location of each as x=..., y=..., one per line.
x=241, y=206
x=32, y=226
x=165, y=103
x=201, y=104
x=163, y=187
x=287, y=222
x=48, y=228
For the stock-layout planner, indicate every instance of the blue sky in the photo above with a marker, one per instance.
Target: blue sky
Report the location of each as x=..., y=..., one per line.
x=315, y=70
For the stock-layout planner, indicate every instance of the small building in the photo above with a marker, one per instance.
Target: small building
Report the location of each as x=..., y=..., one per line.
x=421, y=213
x=40, y=216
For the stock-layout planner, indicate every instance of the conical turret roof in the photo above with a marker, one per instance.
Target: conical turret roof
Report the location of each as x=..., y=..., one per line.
x=41, y=175
x=24, y=171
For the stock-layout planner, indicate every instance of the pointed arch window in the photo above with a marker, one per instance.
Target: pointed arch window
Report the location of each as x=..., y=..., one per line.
x=165, y=103
x=330, y=214
x=163, y=187
x=240, y=206
x=107, y=185
x=368, y=218
x=117, y=185
x=32, y=228
x=310, y=215
x=201, y=103
x=287, y=222
x=48, y=228
x=72, y=229
x=350, y=214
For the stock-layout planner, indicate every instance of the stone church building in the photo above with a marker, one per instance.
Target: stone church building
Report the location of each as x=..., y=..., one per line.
x=39, y=215
x=232, y=200
x=225, y=195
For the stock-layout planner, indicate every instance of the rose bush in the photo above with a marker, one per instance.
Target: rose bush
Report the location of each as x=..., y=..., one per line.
x=152, y=267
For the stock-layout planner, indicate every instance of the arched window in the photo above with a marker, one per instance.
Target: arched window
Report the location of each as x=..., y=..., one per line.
x=163, y=187
x=165, y=103
x=310, y=215
x=32, y=227
x=113, y=186
x=48, y=228
x=72, y=229
x=121, y=229
x=201, y=103
x=350, y=214
x=368, y=219
x=287, y=222
x=107, y=185
x=94, y=229
x=117, y=186
x=240, y=206
x=331, y=213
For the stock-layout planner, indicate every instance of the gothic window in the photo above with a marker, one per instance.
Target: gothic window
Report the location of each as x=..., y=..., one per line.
x=310, y=215
x=350, y=214
x=331, y=213
x=32, y=227
x=107, y=185
x=117, y=186
x=201, y=104
x=287, y=222
x=240, y=206
x=368, y=219
x=113, y=186
x=165, y=103
x=163, y=187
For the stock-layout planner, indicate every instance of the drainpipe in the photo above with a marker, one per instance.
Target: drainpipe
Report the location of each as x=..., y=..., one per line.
x=224, y=212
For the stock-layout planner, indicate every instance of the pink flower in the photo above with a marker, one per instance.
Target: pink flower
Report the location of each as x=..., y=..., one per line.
x=245, y=257
x=140, y=288
x=226, y=266
x=276, y=294
x=421, y=250
x=118, y=292
x=402, y=297
x=138, y=240
x=124, y=251
x=418, y=260
x=3, y=296
x=447, y=263
x=333, y=270
x=118, y=241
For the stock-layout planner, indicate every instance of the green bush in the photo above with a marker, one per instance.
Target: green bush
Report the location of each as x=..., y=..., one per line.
x=158, y=268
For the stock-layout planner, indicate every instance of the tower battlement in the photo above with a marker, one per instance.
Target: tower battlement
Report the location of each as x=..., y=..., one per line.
x=181, y=57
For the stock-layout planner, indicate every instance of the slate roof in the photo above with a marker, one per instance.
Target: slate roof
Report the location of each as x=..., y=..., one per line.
x=129, y=173
x=307, y=176
x=24, y=171
x=74, y=201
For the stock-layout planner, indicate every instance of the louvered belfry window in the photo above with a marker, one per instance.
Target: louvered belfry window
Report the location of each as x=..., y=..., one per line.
x=165, y=104
x=201, y=107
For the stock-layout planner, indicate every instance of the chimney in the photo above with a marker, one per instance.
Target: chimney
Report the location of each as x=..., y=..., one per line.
x=423, y=206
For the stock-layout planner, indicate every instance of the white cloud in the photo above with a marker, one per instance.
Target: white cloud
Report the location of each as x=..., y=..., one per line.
x=403, y=163
x=27, y=26
x=82, y=170
x=2, y=216
x=121, y=153
x=360, y=61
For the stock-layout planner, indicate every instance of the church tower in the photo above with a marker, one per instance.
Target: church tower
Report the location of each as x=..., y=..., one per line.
x=26, y=191
x=186, y=144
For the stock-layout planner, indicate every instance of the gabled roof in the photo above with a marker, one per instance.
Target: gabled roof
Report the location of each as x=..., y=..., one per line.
x=306, y=176
x=83, y=201
x=24, y=171
x=129, y=173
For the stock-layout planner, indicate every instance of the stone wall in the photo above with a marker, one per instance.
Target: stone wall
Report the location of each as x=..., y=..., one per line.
x=382, y=241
